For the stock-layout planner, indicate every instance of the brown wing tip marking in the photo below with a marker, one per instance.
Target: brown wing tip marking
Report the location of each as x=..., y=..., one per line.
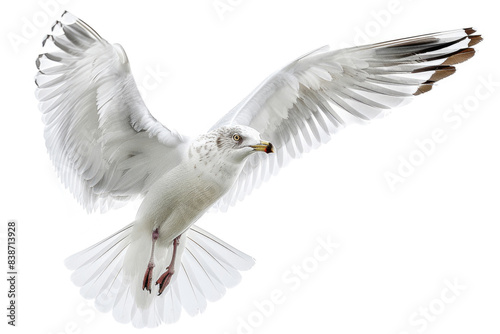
x=440, y=72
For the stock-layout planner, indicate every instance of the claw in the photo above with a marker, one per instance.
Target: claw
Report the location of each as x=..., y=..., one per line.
x=164, y=280
x=146, y=282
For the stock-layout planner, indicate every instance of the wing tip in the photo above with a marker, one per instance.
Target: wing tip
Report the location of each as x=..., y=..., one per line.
x=473, y=38
x=469, y=30
x=446, y=69
x=423, y=88
x=68, y=17
x=460, y=56
x=440, y=72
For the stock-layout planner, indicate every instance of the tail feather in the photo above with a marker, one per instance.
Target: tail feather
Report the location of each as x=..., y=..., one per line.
x=207, y=268
x=97, y=267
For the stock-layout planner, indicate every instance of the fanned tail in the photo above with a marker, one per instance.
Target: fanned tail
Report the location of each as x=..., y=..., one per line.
x=208, y=267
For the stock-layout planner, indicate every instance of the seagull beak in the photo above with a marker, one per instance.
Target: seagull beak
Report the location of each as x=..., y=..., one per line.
x=264, y=146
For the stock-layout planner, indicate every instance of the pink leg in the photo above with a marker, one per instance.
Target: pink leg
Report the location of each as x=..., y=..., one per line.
x=165, y=278
x=146, y=282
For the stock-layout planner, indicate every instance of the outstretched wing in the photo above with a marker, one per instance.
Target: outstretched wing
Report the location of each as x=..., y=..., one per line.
x=104, y=143
x=300, y=106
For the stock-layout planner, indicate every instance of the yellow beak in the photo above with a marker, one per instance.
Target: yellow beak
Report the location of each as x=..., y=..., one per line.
x=264, y=146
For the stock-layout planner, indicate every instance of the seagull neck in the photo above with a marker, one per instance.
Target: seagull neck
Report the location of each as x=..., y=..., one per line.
x=210, y=164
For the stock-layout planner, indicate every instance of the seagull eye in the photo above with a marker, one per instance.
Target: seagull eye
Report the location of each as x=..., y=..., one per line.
x=236, y=137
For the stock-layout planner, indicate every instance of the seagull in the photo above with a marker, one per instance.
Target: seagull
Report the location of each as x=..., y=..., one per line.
x=108, y=149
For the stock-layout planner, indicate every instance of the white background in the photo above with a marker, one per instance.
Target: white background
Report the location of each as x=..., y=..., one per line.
x=398, y=248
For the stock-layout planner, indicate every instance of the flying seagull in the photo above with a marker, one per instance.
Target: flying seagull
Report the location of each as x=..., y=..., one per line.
x=108, y=149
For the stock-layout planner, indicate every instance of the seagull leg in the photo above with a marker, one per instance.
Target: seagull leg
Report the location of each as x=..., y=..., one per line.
x=165, y=278
x=146, y=282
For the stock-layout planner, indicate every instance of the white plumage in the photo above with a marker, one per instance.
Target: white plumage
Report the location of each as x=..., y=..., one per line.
x=108, y=149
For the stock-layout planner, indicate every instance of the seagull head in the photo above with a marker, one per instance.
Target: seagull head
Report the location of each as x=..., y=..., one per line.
x=237, y=142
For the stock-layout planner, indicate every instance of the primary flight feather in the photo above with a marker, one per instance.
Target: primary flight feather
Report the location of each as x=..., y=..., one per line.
x=107, y=149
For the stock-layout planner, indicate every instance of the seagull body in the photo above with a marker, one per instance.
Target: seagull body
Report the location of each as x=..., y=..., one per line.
x=180, y=197
x=107, y=149
x=207, y=172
